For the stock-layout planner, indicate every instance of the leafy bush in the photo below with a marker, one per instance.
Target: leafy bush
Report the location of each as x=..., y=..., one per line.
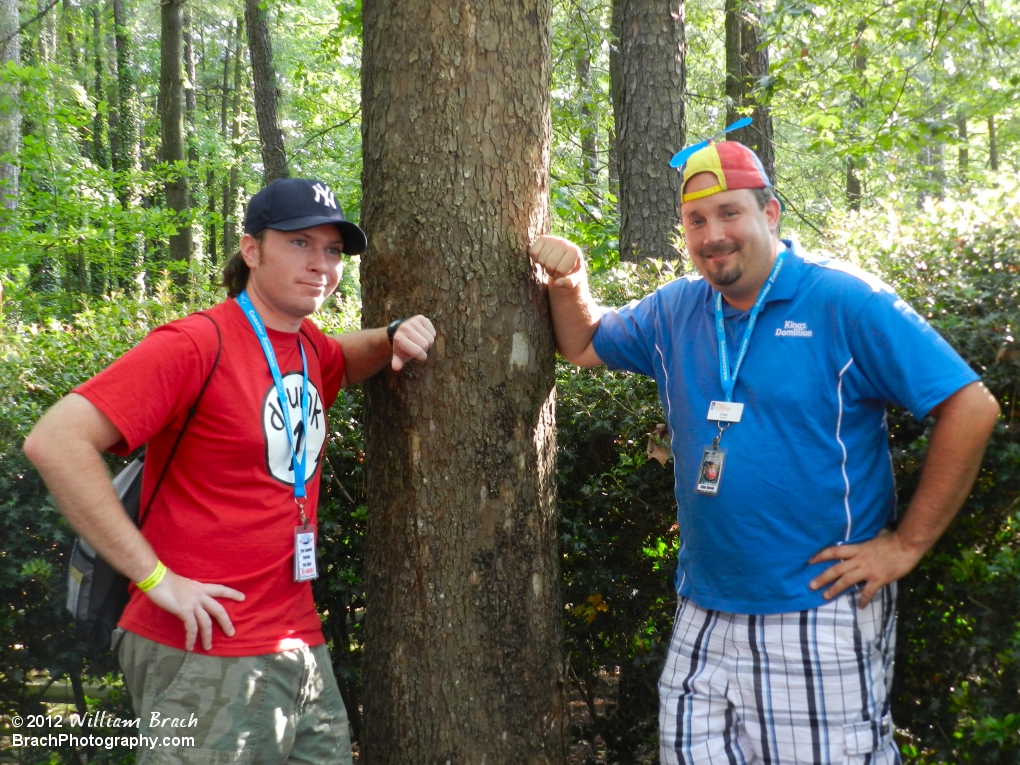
x=958, y=659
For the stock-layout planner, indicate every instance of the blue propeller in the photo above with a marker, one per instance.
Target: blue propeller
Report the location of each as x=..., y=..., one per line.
x=681, y=157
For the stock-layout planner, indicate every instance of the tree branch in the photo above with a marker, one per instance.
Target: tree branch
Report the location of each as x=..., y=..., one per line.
x=27, y=24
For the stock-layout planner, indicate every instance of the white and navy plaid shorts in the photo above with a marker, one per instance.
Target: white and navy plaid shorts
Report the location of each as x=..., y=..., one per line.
x=804, y=687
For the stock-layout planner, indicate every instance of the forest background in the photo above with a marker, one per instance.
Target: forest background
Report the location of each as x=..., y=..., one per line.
x=132, y=133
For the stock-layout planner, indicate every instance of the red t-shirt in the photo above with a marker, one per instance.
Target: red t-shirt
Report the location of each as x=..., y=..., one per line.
x=225, y=512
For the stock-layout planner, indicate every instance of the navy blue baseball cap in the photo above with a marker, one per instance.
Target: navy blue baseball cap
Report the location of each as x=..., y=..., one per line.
x=292, y=204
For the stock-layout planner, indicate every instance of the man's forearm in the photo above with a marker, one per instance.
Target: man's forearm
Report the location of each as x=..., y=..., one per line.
x=65, y=447
x=964, y=423
x=366, y=352
x=575, y=317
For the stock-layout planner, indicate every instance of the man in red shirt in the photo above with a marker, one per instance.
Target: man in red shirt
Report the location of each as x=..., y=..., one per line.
x=221, y=638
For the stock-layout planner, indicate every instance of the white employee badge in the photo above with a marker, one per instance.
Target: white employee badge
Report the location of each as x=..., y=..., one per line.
x=725, y=411
x=305, y=567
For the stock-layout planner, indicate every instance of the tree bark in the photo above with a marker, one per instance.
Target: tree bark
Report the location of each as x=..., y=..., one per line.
x=463, y=649
x=648, y=78
x=267, y=94
x=171, y=120
x=10, y=112
x=747, y=62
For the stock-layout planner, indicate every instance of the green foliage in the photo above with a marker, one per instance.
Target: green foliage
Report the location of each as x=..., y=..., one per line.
x=958, y=661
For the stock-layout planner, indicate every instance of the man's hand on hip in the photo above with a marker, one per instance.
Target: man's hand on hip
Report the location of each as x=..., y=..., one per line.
x=876, y=563
x=412, y=340
x=195, y=604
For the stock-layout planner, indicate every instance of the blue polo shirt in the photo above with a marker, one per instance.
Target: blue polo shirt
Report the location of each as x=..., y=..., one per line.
x=808, y=465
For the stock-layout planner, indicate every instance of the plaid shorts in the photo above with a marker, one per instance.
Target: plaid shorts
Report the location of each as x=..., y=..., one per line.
x=272, y=708
x=804, y=687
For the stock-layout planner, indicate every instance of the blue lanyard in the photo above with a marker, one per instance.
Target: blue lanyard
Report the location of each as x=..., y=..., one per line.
x=297, y=461
x=729, y=381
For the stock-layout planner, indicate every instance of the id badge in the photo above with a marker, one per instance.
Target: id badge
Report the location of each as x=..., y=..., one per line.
x=725, y=411
x=305, y=567
x=710, y=471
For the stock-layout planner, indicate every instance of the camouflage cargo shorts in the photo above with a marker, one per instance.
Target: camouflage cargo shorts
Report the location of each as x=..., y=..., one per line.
x=256, y=710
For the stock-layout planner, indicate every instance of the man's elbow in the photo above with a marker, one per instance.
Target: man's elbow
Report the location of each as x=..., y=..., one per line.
x=37, y=446
x=973, y=404
x=586, y=357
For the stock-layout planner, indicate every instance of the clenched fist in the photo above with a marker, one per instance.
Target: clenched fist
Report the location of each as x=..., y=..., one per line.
x=560, y=258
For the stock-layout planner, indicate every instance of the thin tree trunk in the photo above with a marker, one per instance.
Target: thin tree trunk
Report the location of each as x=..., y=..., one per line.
x=47, y=43
x=963, y=158
x=463, y=649
x=190, y=102
x=100, y=134
x=648, y=77
x=210, y=177
x=854, y=192
x=267, y=94
x=126, y=159
x=10, y=112
x=589, y=133
x=993, y=148
x=230, y=189
x=113, y=91
x=171, y=119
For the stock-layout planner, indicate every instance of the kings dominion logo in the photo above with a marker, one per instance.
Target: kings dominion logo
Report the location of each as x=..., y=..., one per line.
x=794, y=329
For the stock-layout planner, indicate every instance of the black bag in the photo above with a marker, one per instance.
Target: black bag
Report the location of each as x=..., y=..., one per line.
x=96, y=592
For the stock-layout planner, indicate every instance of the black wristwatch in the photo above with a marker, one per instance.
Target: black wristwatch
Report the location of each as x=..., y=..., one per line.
x=391, y=329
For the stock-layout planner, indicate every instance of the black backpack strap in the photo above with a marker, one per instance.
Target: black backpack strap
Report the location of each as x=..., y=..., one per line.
x=315, y=348
x=187, y=420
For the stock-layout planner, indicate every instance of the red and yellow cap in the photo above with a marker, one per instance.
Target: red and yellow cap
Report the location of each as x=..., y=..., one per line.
x=734, y=165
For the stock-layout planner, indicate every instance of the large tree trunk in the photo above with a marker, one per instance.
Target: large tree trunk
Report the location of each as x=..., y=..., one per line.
x=747, y=61
x=648, y=77
x=171, y=120
x=464, y=653
x=267, y=94
x=10, y=113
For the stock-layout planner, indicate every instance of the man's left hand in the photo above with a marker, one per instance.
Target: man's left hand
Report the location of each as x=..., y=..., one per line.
x=876, y=563
x=412, y=340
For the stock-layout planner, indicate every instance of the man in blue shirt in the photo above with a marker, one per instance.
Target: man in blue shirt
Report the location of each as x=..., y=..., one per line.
x=775, y=370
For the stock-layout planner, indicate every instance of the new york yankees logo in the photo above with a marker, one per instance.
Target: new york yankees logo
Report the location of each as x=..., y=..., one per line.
x=323, y=194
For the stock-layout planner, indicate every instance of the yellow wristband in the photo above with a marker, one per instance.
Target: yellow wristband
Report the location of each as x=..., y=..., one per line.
x=152, y=579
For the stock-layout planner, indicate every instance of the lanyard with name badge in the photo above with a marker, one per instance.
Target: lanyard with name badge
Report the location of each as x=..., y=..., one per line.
x=305, y=567
x=726, y=412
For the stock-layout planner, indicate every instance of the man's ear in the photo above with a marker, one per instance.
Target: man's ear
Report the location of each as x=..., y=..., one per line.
x=250, y=250
x=772, y=211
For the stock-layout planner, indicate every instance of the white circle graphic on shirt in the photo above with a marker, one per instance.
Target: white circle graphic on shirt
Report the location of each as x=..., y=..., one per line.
x=278, y=448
